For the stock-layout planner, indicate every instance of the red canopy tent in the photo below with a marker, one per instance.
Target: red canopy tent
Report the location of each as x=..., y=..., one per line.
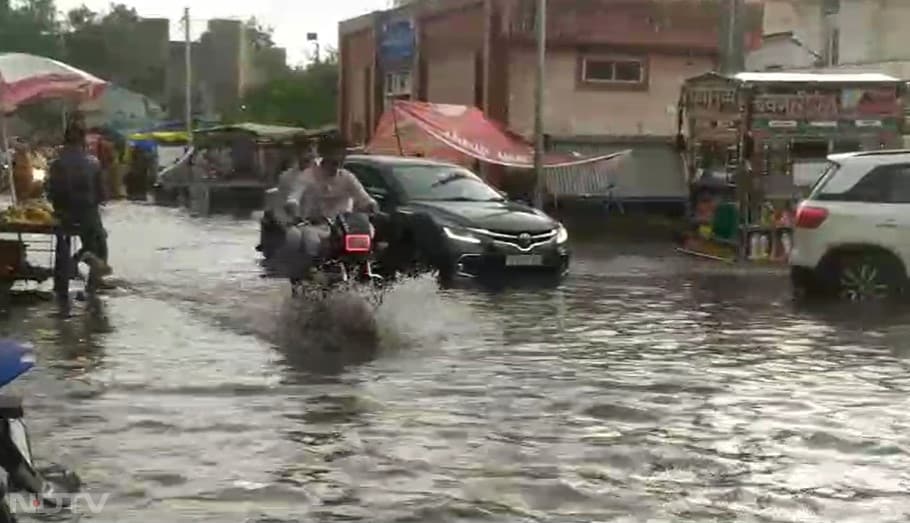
x=461, y=134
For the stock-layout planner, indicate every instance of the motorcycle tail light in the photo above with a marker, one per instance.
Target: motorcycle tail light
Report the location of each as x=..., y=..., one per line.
x=357, y=243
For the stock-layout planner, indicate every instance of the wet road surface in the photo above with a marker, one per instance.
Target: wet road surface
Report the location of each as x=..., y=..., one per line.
x=648, y=387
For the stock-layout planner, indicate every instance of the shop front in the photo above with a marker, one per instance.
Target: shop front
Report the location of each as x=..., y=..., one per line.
x=755, y=143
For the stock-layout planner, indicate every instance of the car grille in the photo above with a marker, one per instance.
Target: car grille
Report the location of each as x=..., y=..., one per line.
x=523, y=241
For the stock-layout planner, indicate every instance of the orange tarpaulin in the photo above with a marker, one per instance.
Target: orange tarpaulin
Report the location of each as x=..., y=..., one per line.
x=459, y=134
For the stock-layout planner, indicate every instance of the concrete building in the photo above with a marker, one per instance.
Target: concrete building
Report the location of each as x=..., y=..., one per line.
x=846, y=35
x=226, y=65
x=614, y=69
x=780, y=51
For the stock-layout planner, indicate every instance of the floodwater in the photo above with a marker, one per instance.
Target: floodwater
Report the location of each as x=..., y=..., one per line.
x=647, y=388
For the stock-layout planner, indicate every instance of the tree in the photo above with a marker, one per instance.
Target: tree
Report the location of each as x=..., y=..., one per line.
x=306, y=97
x=29, y=26
x=98, y=43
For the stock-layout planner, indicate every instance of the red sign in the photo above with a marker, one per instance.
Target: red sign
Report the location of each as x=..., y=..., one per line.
x=877, y=101
x=796, y=106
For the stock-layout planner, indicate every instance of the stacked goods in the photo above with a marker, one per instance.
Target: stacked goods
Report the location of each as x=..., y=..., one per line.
x=33, y=212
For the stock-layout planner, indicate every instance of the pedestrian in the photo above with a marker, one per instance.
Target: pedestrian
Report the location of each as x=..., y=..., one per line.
x=76, y=190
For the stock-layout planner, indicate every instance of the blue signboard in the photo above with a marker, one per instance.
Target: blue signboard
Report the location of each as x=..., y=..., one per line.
x=396, y=43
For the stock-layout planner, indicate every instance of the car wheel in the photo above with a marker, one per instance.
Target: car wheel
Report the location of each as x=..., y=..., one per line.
x=864, y=277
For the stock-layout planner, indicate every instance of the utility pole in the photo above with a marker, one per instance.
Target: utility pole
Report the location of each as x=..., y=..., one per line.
x=734, y=38
x=188, y=63
x=539, y=180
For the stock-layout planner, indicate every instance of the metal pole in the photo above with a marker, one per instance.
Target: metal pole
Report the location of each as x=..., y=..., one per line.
x=731, y=21
x=538, y=102
x=395, y=124
x=4, y=140
x=187, y=56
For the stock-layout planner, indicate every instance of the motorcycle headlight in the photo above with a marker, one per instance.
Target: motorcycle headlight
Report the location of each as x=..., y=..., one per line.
x=460, y=235
x=562, y=235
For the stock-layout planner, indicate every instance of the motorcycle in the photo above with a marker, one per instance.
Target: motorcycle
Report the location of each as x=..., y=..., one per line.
x=46, y=488
x=348, y=256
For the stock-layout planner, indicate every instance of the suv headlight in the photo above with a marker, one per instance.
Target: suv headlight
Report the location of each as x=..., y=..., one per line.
x=460, y=235
x=562, y=235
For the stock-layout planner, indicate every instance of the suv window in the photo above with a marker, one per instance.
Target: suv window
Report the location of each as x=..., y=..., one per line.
x=900, y=184
x=370, y=178
x=883, y=184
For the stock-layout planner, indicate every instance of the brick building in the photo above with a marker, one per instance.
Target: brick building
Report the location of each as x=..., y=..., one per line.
x=614, y=68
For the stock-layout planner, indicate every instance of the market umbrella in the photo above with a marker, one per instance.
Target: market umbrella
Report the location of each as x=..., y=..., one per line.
x=15, y=360
x=26, y=78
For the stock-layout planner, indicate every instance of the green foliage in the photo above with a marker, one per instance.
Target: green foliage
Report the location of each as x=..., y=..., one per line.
x=29, y=26
x=95, y=43
x=306, y=97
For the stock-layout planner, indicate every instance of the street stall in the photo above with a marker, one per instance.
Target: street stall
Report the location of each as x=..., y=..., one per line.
x=230, y=164
x=463, y=135
x=754, y=143
x=28, y=226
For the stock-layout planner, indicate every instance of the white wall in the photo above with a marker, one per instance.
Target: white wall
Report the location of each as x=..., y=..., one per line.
x=781, y=54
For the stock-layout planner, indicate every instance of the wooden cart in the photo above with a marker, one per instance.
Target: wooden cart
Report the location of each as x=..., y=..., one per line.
x=22, y=245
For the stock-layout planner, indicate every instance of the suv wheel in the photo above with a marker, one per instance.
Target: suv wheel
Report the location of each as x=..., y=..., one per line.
x=868, y=277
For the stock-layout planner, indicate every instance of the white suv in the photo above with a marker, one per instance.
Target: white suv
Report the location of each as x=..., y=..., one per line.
x=852, y=234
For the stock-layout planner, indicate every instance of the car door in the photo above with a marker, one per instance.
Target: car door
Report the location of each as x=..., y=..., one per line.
x=897, y=220
x=372, y=180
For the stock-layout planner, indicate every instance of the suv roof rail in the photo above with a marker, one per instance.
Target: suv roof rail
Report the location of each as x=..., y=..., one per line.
x=883, y=152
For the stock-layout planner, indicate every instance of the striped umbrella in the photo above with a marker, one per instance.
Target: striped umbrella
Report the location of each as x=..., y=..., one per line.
x=27, y=78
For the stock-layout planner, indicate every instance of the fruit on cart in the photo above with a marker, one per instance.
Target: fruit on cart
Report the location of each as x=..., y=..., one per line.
x=36, y=212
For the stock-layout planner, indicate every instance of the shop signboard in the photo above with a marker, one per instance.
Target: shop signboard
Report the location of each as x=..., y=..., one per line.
x=871, y=102
x=396, y=43
x=848, y=110
x=713, y=101
x=821, y=128
x=797, y=106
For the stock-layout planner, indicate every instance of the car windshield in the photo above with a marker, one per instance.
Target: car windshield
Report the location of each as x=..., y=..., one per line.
x=443, y=182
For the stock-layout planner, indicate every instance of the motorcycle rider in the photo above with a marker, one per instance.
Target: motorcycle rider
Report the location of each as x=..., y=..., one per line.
x=322, y=192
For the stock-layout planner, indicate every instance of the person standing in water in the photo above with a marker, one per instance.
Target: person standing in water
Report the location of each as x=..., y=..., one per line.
x=75, y=188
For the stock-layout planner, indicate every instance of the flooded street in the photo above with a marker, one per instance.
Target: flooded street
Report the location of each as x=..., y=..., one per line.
x=648, y=387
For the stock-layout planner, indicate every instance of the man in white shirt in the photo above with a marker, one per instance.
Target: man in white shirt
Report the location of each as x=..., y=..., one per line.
x=322, y=192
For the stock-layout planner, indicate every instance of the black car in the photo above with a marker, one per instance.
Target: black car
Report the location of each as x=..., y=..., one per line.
x=445, y=217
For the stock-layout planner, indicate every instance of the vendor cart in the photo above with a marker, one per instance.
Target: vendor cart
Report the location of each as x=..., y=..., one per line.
x=754, y=143
x=23, y=246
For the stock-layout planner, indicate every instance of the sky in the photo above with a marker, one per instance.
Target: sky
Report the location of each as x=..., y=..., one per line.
x=290, y=19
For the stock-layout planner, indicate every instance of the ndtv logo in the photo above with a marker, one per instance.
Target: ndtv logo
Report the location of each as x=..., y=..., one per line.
x=82, y=502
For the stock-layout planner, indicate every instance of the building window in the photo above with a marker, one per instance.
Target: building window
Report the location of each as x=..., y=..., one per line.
x=398, y=84
x=616, y=72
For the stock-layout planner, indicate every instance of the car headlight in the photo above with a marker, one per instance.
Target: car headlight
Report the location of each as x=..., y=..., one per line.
x=460, y=235
x=562, y=235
